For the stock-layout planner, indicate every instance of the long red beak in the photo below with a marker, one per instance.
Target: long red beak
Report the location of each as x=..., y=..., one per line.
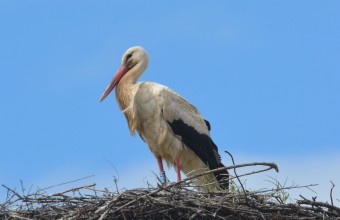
x=114, y=82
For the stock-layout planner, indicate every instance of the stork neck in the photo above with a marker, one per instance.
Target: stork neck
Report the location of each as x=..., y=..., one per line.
x=124, y=94
x=133, y=74
x=126, y=87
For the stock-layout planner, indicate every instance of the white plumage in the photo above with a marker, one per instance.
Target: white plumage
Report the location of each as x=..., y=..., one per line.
x=172, y=127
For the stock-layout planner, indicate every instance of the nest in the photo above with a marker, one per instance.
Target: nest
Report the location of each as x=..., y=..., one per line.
x=178, y=200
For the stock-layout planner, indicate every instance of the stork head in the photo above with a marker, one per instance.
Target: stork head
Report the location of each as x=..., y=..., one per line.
x=134, y=62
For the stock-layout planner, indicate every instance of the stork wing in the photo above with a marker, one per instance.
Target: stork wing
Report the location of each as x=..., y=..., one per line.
x=186, y=123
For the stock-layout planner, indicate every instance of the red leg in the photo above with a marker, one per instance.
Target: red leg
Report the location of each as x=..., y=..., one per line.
x=178, y=170
x=161, y=170
x=160, y=164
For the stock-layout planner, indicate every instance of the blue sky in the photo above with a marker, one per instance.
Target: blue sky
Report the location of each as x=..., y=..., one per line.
x=266, y=74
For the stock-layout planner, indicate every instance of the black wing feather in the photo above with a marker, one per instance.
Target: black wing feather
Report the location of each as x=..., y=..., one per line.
x=201, y=144
x=208, y=124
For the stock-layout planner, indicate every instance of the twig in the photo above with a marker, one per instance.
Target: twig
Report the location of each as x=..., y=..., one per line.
x=303, y=197
x=73, y=189
x=319, y=204
x=115, y=180
x=331, y=192
x=14, y=192
x=22, y=187
x=253, y=172
x=283, y=188
x=232, y=159
x=101, y=209
x=72, y=181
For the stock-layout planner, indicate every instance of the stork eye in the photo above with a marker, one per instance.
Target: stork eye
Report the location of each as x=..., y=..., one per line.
x=128, y=56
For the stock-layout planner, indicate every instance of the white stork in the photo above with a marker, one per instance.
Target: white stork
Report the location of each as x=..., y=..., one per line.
x=172, y=127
